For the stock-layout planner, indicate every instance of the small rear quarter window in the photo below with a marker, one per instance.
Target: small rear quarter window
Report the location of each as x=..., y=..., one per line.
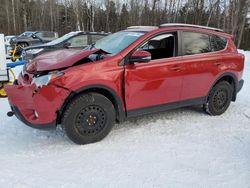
x=218, y=43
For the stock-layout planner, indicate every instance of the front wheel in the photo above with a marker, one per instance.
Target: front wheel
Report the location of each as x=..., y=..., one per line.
x=88, y=118
x=219, y=98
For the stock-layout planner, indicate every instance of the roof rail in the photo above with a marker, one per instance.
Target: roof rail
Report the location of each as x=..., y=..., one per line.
x=190, y=25
x=142, y=27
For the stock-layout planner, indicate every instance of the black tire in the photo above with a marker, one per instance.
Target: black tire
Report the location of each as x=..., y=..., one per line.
x=88, y=118
x=219, y=98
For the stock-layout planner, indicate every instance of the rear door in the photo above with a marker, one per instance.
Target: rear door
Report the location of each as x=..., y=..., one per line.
x=158, y=81
x=201, y=63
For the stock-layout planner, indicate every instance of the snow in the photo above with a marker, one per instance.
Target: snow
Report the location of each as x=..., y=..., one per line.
x=178, y=148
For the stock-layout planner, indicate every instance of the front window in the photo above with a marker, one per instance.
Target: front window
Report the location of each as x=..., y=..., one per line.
x=117, y=42
x=161, y=46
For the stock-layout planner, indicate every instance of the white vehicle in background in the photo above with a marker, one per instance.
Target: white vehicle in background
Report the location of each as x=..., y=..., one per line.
x=7, y=39
x=6, y=75
x=7, y=44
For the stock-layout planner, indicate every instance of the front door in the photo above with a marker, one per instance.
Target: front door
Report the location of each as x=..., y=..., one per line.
x=159, y=81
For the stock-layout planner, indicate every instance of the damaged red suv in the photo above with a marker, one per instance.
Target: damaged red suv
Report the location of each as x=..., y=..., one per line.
x=133, y=72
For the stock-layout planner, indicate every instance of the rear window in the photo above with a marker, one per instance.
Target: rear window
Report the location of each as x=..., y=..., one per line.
x=196, y=43
x=218, y=43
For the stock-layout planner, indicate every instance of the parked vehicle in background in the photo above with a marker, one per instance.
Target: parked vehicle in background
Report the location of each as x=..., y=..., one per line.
x=76, y=39
x=134, y=72
x=7, y=44
x=7, y=39
x=29, y=38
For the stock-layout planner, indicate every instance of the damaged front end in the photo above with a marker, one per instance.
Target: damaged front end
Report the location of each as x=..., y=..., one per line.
x=35, y=99
x=36, y=106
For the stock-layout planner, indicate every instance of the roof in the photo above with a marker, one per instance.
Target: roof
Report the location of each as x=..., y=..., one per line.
x=190, y=25
x=150, y=28
x=142, y=28
x=89, y=32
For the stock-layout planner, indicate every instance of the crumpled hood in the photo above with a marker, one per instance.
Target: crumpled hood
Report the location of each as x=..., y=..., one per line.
x=61, y=58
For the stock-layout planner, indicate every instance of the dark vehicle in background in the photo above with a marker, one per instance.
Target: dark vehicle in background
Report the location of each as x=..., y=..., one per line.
x=30, y=38
x=76, y=39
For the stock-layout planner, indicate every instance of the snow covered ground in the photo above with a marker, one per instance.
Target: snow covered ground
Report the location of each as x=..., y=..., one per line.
x=179, y=148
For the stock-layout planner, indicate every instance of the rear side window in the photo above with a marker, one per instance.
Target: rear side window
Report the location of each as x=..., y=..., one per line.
x=196, y=43
x=78, y=41
x=96, y=38
x=46, y=35
x=218, y=43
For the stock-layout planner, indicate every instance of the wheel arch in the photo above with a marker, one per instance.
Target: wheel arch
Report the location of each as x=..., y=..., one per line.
x=230, y=78
x=103, y=90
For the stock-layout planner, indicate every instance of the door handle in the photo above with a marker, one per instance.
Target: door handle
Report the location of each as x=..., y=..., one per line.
x=175, y=68
x=218, y=64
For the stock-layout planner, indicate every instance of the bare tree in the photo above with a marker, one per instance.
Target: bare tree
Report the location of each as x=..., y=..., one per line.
x=13, y=15
x=112, y=15
x=245, y=12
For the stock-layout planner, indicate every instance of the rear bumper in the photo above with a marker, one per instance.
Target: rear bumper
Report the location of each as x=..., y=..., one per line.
x=36, y=108
x=240, y=85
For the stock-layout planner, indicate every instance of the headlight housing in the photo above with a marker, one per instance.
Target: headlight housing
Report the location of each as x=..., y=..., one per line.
x=45, y=79
x=34, y=51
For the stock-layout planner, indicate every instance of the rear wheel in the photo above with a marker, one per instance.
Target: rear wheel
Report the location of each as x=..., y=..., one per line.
x=219, y=98
x=88, y=118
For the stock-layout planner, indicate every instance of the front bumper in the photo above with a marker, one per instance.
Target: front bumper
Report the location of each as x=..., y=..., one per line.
x=36, y=108
x=19, y=116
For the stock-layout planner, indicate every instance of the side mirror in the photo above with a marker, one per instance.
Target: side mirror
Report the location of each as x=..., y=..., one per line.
x=140, y=57
x=34, y=36
x=66, y=45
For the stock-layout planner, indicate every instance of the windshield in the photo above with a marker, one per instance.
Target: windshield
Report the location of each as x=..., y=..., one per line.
x=117, y=42
x=26, y=34
x=62, y=39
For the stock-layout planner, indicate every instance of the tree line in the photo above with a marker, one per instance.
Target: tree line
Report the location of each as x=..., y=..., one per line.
x=63, y=16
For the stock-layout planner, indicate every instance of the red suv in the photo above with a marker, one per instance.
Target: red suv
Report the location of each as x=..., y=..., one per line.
x=133, y=72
